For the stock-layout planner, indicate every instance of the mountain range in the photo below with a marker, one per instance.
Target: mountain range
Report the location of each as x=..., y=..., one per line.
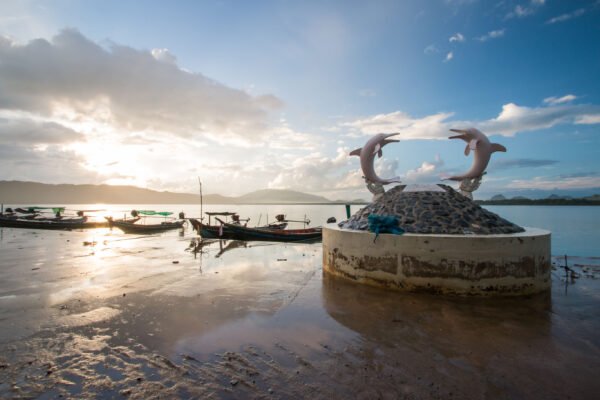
x=19, y=192
x=552, y=199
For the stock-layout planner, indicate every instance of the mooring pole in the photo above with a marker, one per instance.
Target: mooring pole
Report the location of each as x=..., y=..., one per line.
x=348, y=211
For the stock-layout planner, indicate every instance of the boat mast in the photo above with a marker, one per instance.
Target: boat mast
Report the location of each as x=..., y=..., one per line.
x=201, y=213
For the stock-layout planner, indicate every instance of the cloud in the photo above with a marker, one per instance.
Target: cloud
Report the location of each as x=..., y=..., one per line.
x=522, y=163
x=431, y=49
x=457, y=37
x=316, y=172
x=588, y=119
x=459, y=2
x=565, y=17
x=559, y=100
x=449, y=56
x=578, y=175
x=137, y=90
x=52, y=164
x=491, y=35
x=429, y=171
x=28, y=131
x=511, y=120
x=367, y=93
x=556, y=182
x=429, y=127
x=164, y=55
x=521, y=11
x=514, y=118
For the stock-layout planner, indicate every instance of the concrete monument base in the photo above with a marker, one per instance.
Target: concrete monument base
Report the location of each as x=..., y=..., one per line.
x=467, y=264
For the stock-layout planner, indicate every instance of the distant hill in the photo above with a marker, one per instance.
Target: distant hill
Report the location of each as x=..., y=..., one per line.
x=552, y=200
x=557, y=197
x=34, y=193
x=280, y=196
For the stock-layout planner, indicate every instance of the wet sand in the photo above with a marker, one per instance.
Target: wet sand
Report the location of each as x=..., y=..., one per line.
x=100, y=314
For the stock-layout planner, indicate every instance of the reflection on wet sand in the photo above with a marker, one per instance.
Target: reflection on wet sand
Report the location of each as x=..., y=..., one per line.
x=136, y=317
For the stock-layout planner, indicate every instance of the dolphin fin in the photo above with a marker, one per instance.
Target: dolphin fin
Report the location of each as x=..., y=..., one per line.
x=377, y=149
x=498, y=147
x=356, y=152
x=380, y=153
x=467, y=150
x=473, y=144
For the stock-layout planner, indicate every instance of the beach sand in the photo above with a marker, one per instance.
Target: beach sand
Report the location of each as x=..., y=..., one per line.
x=100, y=314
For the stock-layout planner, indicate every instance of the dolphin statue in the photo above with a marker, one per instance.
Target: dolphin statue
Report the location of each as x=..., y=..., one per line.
x=367, y=157
x=483, y=149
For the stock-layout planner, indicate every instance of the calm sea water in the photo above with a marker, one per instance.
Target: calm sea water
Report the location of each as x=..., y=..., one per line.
x=86, y=313
x=575, y=229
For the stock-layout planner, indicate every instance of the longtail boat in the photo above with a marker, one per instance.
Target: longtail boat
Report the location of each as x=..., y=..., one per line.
x=239, y=232
x=55, y=224
x=208, y=231
x=130, y=225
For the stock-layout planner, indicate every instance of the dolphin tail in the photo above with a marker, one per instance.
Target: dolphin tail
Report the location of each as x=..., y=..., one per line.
x=391, y=180
x=454, y=178
x=498, y=147
x=356, y=152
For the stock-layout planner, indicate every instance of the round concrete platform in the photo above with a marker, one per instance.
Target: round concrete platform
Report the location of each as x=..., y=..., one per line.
x=502, y=264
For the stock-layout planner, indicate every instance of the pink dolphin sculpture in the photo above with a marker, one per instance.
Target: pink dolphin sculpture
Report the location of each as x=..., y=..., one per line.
x=480, y=144
x=367, y=157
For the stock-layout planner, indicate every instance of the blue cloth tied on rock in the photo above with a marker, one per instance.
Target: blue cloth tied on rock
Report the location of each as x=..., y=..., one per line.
x=384, y=224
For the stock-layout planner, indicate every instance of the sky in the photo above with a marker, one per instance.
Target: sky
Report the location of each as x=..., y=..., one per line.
x=250, y=95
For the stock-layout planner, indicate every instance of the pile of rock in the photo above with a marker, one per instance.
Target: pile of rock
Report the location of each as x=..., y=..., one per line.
x=438, y=212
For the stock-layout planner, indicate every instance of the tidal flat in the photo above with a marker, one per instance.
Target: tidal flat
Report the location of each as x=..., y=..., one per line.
x=101, y=314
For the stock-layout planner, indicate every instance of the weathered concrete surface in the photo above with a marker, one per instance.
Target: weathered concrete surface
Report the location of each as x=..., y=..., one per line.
x=509, y=264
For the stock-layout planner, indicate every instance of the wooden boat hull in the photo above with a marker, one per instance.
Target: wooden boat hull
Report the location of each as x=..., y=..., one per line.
x=129, y=227
x=215, y=232
x=239, y=232
x=49, y=224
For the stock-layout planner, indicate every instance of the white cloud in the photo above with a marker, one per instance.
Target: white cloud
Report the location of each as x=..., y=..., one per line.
x=511, y=120
x=491, y=35
x=431, y=49
x=551, y=183
x=315, y=172
x=32, y=132
x=514, y=118
x=164, y=55
x=429, y=171
x=588, y=119
x=565, y=17
x=51, y=164
x=521, y=10
x=449, y=56
x=138, y=90
x=457, y=37
x=560, y=100
x=429, y=127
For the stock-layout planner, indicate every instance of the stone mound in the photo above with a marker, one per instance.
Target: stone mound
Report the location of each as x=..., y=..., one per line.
x=438, y=212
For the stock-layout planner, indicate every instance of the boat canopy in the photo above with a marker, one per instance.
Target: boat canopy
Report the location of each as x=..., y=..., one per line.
x=150, y=212
x=36, y=208
x=224, y=213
